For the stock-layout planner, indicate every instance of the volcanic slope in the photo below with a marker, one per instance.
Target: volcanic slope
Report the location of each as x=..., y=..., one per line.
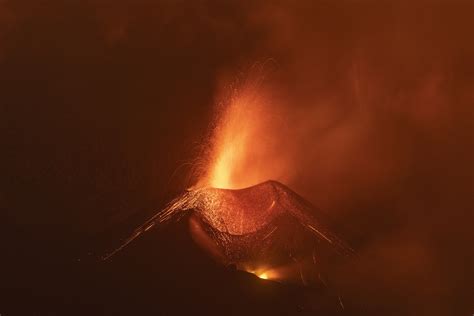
x=267, y=222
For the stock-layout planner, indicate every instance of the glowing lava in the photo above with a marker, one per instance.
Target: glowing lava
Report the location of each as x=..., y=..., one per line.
x=232, y=139
x=236, y=215
x=242, y=151
x=266, y=225
x=230, y=144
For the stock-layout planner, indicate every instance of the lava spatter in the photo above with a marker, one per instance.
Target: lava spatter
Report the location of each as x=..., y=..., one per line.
x=261, y=227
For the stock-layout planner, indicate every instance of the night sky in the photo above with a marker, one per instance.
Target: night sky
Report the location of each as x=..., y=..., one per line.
x=105, y=107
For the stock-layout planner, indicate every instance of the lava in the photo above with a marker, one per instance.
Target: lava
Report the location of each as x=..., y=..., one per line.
x=246, y=211
x=239, y=217
x=242, y=148
x=264, y=225
x=263, y=276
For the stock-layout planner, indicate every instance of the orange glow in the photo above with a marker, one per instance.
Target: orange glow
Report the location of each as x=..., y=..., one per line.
x=231, y=142
x=242, y=149
x=264, y=273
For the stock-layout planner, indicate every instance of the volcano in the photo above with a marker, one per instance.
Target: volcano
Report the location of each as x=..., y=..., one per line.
x=266, y=229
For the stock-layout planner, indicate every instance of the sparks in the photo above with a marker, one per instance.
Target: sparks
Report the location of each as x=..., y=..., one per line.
x=240, y=144
x=241, y=218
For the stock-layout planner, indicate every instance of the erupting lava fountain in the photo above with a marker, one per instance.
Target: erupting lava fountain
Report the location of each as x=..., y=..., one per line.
x=266, y=229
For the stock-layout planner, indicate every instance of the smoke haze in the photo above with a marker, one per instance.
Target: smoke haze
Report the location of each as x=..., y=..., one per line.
x=367, y=112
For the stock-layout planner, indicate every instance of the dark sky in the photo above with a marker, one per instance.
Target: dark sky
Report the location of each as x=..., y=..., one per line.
x=103, y=105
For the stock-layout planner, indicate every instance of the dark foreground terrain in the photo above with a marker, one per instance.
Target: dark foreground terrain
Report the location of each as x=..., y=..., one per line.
x=163, y=273
x=104, y=106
